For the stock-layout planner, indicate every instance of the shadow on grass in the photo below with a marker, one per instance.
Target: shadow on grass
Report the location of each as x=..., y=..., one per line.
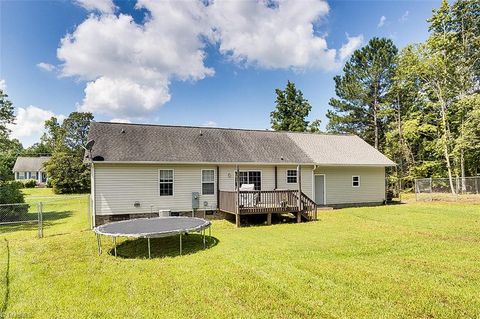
x=163, y=247
x=6, y=279
x=49, y=218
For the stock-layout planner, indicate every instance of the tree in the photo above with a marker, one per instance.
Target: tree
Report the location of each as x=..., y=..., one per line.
x=66, y=170
x=8, y=156
x=68, y=173
x=291, y=111
x=54, y=134
x=363, y=92
x=7, y=116
x=76, y=128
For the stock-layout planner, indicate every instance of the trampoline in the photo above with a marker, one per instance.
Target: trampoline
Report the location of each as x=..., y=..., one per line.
x=152, y=228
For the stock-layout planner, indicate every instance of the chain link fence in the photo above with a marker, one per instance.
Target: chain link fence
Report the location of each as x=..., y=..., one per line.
x=21, y=216
x=440, y=189
x=46, y=215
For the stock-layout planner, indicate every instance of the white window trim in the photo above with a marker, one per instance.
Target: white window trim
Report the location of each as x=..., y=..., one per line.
x=358, y=176
x=173, y=181
x=214, y=181
x=296, y=176
x=247, y=170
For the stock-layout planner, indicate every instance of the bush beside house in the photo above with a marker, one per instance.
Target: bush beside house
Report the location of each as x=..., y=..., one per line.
x=10, y=193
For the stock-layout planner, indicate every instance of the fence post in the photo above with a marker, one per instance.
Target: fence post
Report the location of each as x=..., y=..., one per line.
x=416, y=190
x=431, y=191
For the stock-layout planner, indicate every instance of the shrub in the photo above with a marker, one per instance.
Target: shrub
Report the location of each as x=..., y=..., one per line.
x=17, y=184
x=10, y=193
x=29, y=183
x=68, y=173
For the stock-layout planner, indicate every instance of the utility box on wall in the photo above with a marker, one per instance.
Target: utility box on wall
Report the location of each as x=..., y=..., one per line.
x=195, y=200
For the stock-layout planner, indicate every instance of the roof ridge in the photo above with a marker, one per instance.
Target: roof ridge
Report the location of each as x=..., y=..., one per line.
x=225, y=128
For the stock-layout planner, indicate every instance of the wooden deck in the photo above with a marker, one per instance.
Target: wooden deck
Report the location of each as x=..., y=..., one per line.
x=267, y=202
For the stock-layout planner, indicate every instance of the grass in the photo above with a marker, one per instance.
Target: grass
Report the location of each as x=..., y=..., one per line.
x=415, y=260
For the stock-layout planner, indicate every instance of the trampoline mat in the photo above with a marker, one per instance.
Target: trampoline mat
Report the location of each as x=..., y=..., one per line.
x=153, y=227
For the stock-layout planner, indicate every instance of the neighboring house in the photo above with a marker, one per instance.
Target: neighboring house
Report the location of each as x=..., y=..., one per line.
x=30, y=168
x=138, y=170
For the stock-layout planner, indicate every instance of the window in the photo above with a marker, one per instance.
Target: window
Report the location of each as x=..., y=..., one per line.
x=291, y=176
x=166, y=182
x=250, y=177
x=208, y=182
x=355, y=181
x=21, y=175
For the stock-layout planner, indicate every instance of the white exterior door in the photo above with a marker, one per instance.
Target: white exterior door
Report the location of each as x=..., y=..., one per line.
x=320, y=189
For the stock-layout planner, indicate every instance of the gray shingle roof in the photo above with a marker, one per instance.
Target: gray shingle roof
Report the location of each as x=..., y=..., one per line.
x=30, y=164
x=339, y=149
x=119, y=142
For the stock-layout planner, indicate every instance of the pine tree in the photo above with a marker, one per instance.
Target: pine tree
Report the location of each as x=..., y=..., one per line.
x=363, y=92
x=291, y=111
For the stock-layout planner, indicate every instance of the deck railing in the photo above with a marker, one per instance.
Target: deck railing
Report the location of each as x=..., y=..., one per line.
x=228, y=201
x=257, y=202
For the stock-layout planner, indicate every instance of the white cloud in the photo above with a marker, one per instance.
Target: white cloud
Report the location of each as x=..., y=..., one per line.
x=381, y=23
x=210, y=124
x=3, y=85
x=29, y=123
x=352, y=44
x=104, y=6
x=120, y=120
x=129, y=66
x=46, y=66
x=278, y=36
x=404, y=17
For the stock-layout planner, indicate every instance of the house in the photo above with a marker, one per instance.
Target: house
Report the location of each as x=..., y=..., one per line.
x=30, y=168
x=139, y=170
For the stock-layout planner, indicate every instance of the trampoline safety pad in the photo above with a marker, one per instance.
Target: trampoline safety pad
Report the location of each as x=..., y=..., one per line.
x=152, y=228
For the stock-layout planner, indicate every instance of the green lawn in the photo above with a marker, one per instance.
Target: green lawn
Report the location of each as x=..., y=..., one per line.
x=416, y=260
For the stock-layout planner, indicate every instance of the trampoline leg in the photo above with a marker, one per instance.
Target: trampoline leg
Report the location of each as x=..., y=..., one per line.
x=149, y=253
x=99, y=243
x=115, y=246
x=180, y=243
x=204, y=246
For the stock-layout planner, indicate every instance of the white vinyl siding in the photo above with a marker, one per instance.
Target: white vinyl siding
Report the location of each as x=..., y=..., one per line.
x=227, y=176
x=307, y=181
x=339, y=188
x=117, y=187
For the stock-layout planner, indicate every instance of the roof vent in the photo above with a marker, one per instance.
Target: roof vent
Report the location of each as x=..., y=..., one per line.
x=201, y=134
x=281, y=157
x=122, y=131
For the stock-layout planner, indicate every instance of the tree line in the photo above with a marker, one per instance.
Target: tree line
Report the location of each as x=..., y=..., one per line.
x=66, y=170
x=420, y=105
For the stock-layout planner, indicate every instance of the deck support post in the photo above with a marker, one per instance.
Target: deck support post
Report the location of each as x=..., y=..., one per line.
x=237, y=202
x=299, y=199
x=269, y=218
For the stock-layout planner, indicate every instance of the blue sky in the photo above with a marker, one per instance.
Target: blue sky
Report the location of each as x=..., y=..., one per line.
x=167, y=66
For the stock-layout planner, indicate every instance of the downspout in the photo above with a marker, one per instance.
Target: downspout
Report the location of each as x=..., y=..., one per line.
x=276, y=177
x=92, y=198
